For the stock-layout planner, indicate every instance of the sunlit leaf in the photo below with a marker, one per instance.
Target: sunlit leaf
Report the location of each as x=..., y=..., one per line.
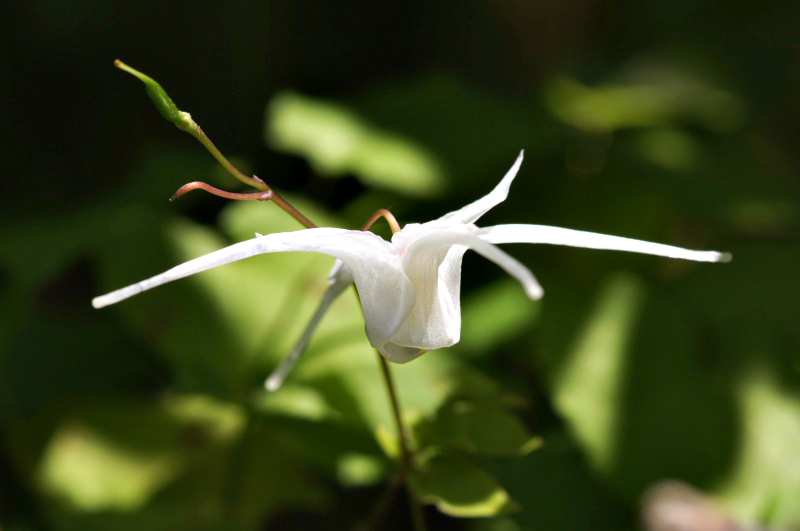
x=472, y=130
x=588, y=388
x=337, y=142
x=295, y=400
x=117, y=456
x=93, y=473
x=460, y=488
x=765, y=480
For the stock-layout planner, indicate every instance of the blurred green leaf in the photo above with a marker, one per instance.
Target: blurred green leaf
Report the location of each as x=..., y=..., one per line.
x=671, y=148
x=765, y=480
x=636, y=425
x=658, y=95
x=345, y=369
x=476, y=132
x=186, y=462
x=116, y=456
x=337, y=142
x=93, y=473
x=459, y=488
x=588, y=387
x=357, y=470
x=298, y=401
x=478, y=427
x=687, y=400
x=494, y=314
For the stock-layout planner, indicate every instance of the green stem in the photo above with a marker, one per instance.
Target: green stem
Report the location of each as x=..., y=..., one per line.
x=198, y=133
x=406, y=457
x=183, y=121
x=402, y=436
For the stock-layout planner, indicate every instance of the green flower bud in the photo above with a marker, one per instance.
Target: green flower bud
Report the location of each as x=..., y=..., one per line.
x=164, y=104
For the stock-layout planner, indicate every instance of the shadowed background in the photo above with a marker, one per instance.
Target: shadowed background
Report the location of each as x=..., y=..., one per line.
x=668, y=121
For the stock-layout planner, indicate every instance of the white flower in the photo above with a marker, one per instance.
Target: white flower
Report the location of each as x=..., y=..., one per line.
x=410, y=287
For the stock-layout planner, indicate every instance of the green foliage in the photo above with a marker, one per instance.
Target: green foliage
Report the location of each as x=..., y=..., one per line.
x=587, y=385
x=765, y=479
x=478, y=427
x=481, y=330
x=337, y=142
x=103, y=460
x=459, y=488
x=655, y=95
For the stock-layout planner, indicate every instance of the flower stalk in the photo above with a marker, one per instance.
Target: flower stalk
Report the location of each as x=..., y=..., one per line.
x=406, y=464
x=183, y=121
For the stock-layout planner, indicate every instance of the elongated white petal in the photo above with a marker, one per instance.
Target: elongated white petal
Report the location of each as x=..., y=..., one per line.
x=338, y=283
x=361, y=250
x=591, y=240
x=511, y=265
x=433, y=264
x=473, y=211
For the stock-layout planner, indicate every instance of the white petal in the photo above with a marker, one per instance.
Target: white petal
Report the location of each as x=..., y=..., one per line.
x=320, y=240
x=338, y=283
x=340, y=274
x=511, y=265
x=592, y=240
x=386, y=294
x=398, y=354
x=433, y=264
x=474, y=210
x=435, y=319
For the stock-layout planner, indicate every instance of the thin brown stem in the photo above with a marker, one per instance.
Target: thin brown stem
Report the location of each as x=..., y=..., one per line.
x=382, y=213
x=198, y=133
x=292, y=211
x=253, y=181
x=198, y=185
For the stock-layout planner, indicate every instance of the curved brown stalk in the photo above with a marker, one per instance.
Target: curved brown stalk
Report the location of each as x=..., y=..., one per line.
x=198, y=185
